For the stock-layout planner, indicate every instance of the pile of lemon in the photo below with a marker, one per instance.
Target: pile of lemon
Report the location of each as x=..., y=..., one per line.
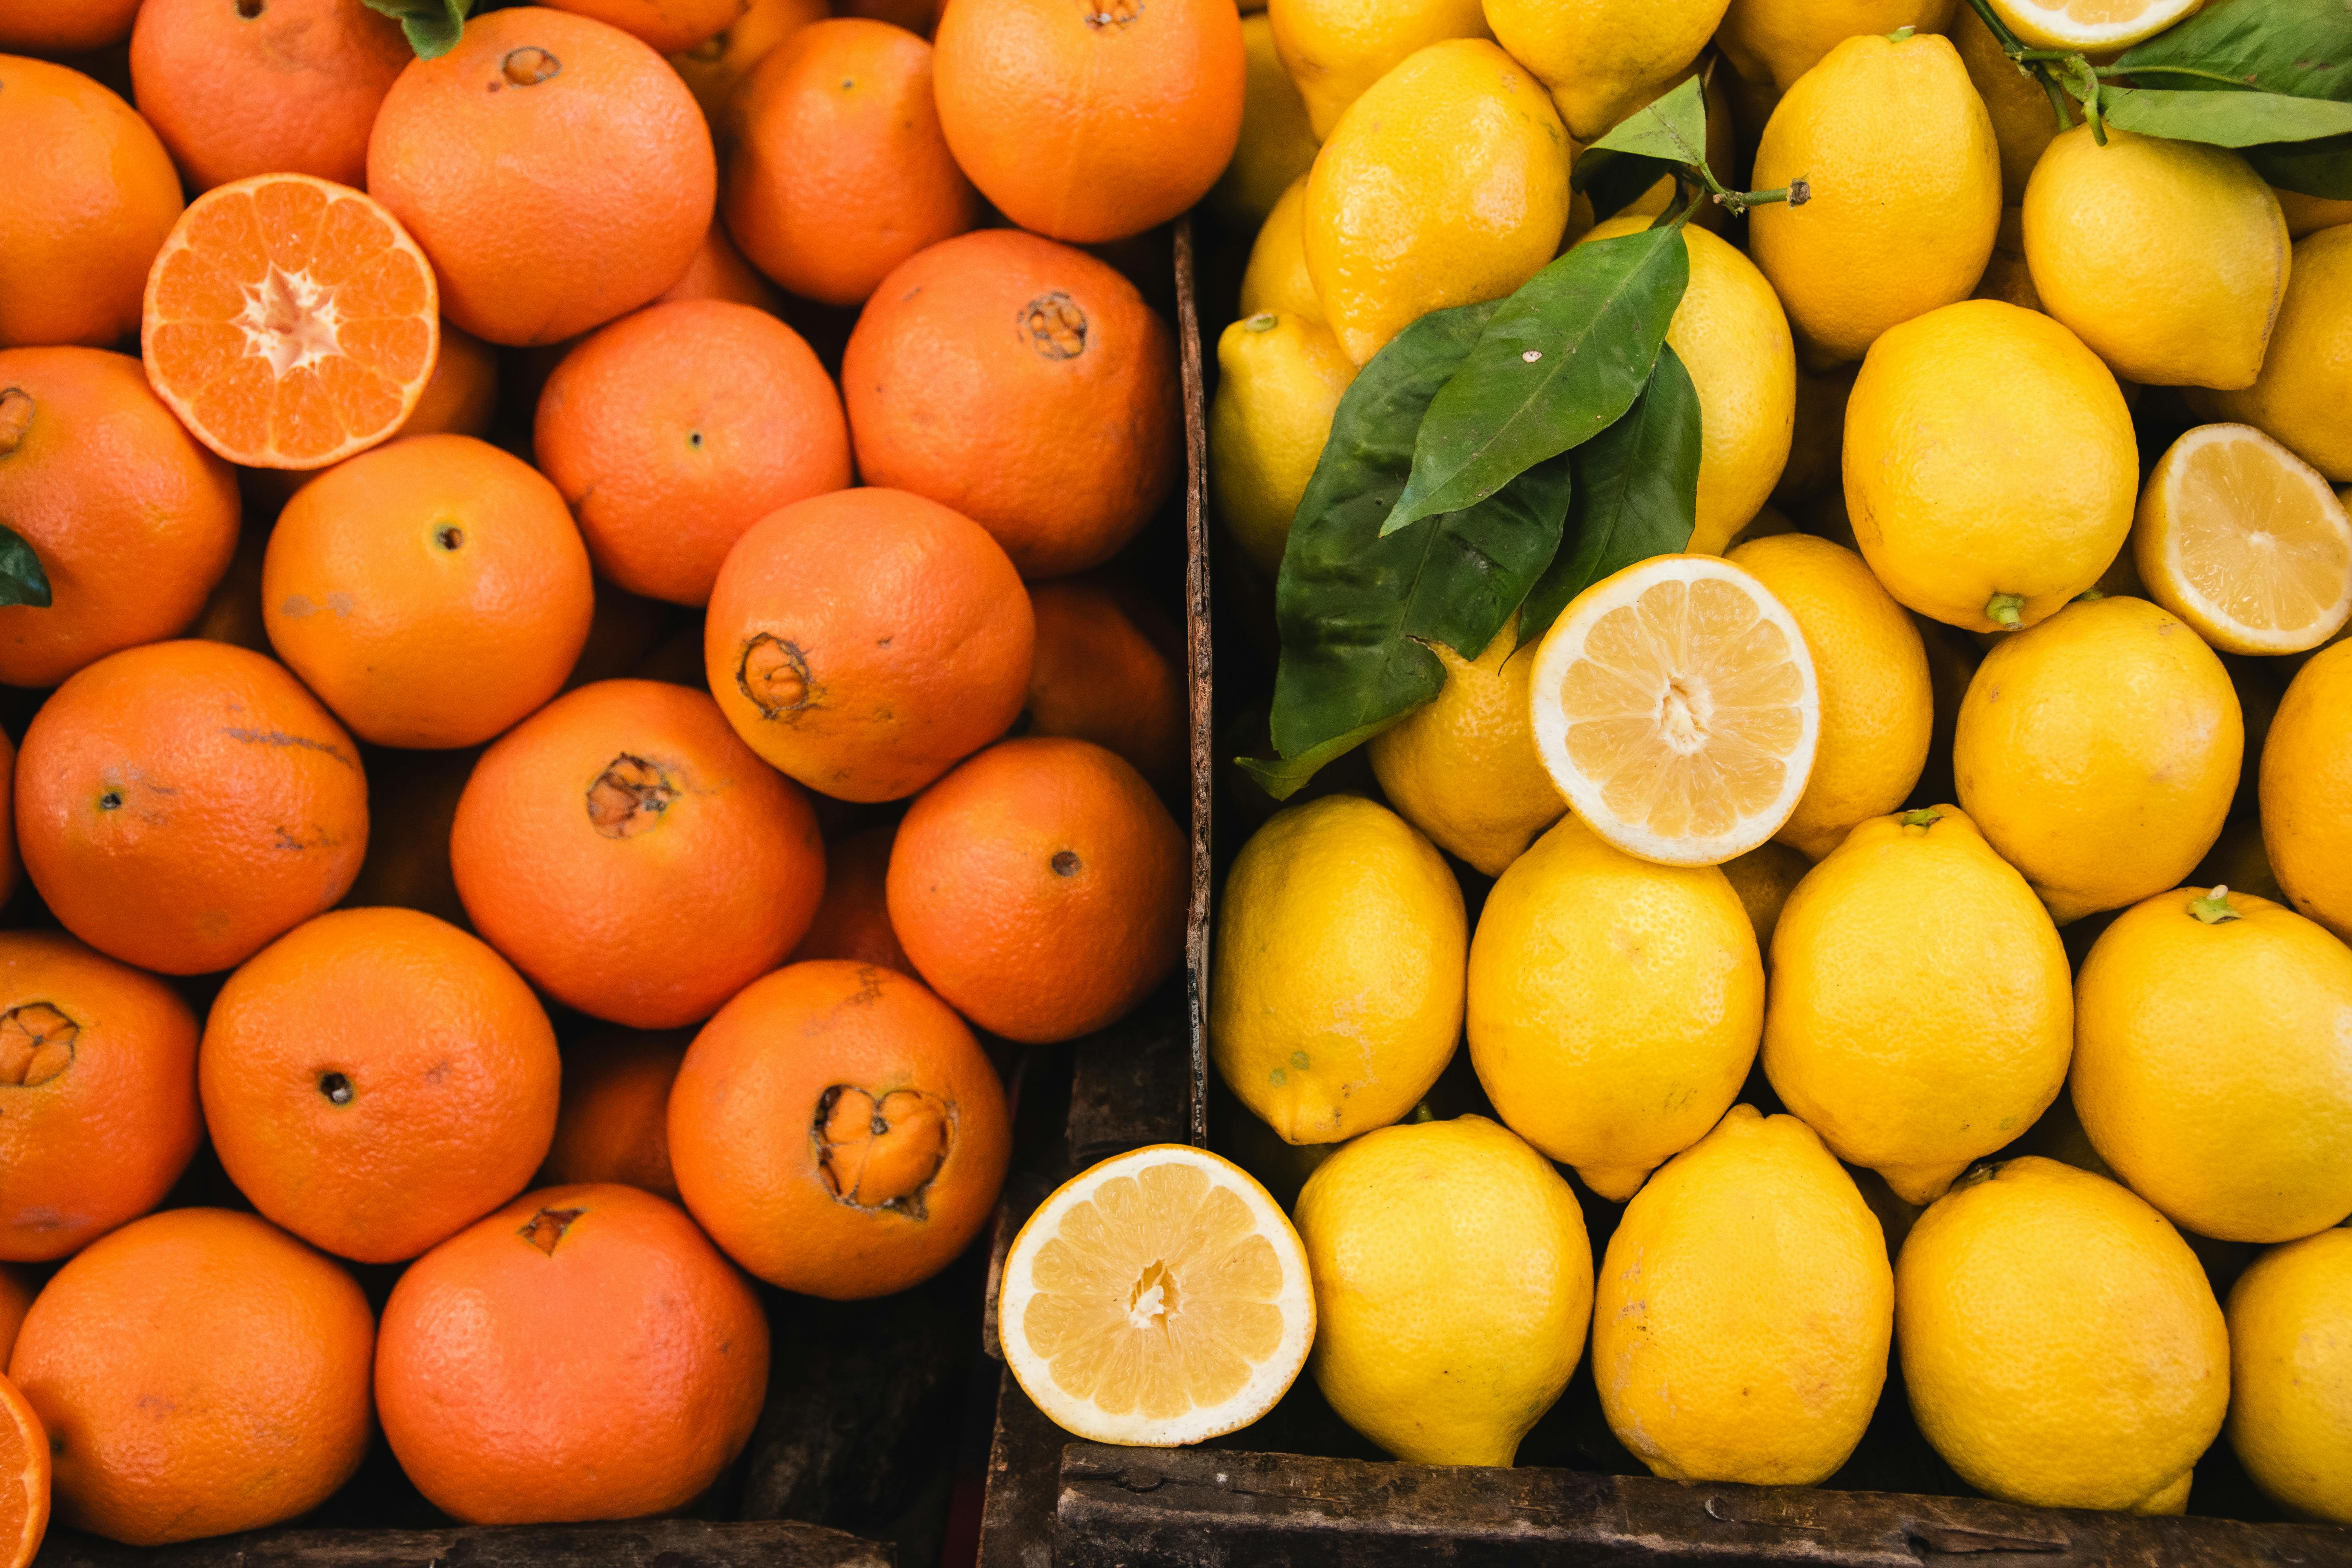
x=1699, y=796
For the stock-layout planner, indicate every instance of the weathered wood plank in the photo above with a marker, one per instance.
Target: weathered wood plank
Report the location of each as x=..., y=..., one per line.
x=1016, y=1525
x=1139, y=1507
x=637, y=1543
x=1198, y=656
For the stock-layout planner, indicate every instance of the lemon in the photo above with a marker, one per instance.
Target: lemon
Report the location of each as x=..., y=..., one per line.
x=2106, y=26
x=2306, y=790
x=1336, y=49
x=1445, y=184
x=1276, y=146
x=1764, y=878
x=1464, y=768
x=1878, y=709
x=1732, y=337
x=2022, y=119
x=2060, y=1343
x=1817, y=440
x=2237, y=861
x=1741, y=1319
x=1676, y=709
x=2291, y=1375
x=2308, y=214
x=1603, y=58
x=1159, y=1297
x=2098, y=752
x=2007, y=277
x=1773, y=42
x=1614, y=1005
x=2209, y=1063
x=2243, y=540
x=1921, y=1012
x=1895, y=145
x=1337, y=989
x=1276, y=277
x=1279, y=380
x=2305, y=384
x=1453, y=1284
x=1990, y=468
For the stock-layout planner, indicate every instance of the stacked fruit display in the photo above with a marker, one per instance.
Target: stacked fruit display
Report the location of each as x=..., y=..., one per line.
x=445, y=619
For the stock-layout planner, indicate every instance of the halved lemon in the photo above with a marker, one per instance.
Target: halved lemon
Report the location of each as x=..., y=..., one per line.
x=1159, y=1298
x=1676, y=709
x=2101, y=26
x=2245, y=542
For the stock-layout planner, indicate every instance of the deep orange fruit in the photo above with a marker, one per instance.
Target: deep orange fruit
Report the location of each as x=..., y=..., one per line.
x=1040, y=889
x=1100, y=676
x=720, y=272
x=1091, y=122
x=133, y=520
x=582, y=1354
x=181, y=804
x=65, y=29
x=23, y=1479
x=1060, y=435
x=854, y=920
x=713, y=67
x=555, y=169
x=838, y=1132
x=838, y=172
x=670, y=27
x=199, y=1372
x=674, y=429
x=614, y=1124
x=634, y=857
x=92, y=193
x=863, y=641
x=433, y=591
x=98, y=1096
x=376, y=1079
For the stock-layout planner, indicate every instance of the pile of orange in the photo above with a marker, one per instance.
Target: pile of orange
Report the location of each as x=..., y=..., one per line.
x=583, y=694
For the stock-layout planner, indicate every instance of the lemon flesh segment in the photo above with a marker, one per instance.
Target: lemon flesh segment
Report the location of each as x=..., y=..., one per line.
x=2246, y=543
x=1676, y=707
x=1159, y=1298
x=2090, y=24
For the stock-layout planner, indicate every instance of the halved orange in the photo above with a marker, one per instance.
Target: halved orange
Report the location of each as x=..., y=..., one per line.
x=23, y=1479
x=290, y=321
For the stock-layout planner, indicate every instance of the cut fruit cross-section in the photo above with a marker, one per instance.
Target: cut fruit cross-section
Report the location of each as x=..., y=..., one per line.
x=2245, y=542
x=2103, y=26
x=1159, y=1298
x=1676, y=709
x=23, y=1479
x=289, y=322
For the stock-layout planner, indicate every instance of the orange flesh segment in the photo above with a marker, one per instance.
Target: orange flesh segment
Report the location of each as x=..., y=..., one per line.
x=2253, y=540
x=23, y=1479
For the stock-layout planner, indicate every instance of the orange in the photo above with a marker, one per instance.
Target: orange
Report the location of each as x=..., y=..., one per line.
x=376, y=1079
x=863, y=641
x=613, y=1124
x=98, y=1096
x=199, y=1372
x=16, y=1293
x=180, y=805
x=264, y=87
x=713, y=67
x=1060, y=437
x=1100, y=676
x=838, y=1131
x=555, y=169
x=25, y=1475
x=92, y=193
x=433, y=591
x=55, y=28
x=289, y=322
x=838, y=171
x=633, y=856
x=582, y=1354
x=673, y=430
x=854, y=920
x=462, y=396
x=670, y=27
x=133, y=520
x=1040, y=889
x=720, y=272
x=1091, y=122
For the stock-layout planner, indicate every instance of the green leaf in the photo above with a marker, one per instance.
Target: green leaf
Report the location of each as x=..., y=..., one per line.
x=1611, y=180
x=432, y=25
x=2301, y=47
x=1283, y=777
x=22, y=581
x=1558, y=362
x=1673, y=127
x=1636, y=494
x=2313, y=168
x=1357, y=606
x=2225, y=119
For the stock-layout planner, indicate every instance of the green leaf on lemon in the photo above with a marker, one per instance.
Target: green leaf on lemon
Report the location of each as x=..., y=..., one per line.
x=2225, y=119
x=1672, y=127
x=2301, y=47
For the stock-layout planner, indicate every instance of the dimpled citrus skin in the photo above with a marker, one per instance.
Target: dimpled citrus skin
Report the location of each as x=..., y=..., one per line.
x=200, y=1371
x=1742, y=1314
x=1988, y=451
x=669, y=27
x=2209, y=1068
x=1614, y=1004
x=2098, y=752
x=104, y=1133
x=2307, y=378
x=1464, y=768
x=181, y=804
x=1335, y=49
x=52, y=29
x=2290, y=1373
x=610, y=1370
x=1453, y=1283
x=1276, y=277
x=1772, y=43
x=1335, y=998
x=443, y=1062
x=1280, y=377
x=2306, y=790
x=2060, y=1343
x=1602, y=58
x=1906, y=182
